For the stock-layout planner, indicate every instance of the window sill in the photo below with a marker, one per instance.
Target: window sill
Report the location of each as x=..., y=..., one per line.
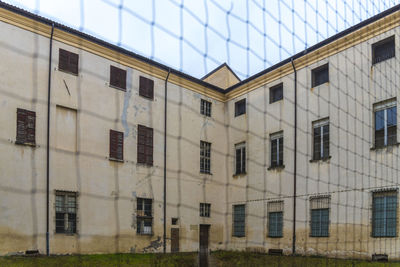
x=236, y=175
x=319, y=236
x=241, y=236
x=206, y=173
x=321, y=159
x=384, y=236
x=144, y=165
x=118, y=88
x=275, y=236
x=148, y=98
x=143, y=234
x=25, y=144
x=65, y=234
x=316, y=86
x=276, y=101
x=383, y=147
x=276, y=168
x=116, y=160
x=68, y=72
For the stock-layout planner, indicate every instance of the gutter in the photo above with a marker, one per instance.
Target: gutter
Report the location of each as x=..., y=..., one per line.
x=48, y=147
x=294, y=159
x=165, y=164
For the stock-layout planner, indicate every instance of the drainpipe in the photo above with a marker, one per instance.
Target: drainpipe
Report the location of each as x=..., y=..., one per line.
x=165, y=164
x=295, y=158
x=48, y=147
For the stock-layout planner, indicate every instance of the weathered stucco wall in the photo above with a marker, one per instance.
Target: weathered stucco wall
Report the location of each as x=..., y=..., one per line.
x=84, y=108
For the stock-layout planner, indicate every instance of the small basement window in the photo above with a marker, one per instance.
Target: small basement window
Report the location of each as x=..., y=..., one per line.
x=383, y=50
x=276, y=93
x=320, y=75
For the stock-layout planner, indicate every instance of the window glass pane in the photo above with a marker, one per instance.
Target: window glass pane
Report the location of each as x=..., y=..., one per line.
x=391, y=116
x=274, y=155
x=379, y=120
x=280, y=163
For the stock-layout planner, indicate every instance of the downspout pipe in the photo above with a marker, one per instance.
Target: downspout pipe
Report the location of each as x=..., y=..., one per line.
x=165, y=164
x=294, y=159
x=48, y=147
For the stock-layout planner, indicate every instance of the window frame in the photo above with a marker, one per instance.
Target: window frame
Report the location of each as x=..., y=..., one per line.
x=242, y=147
x=145, y=147
x=385, y=194
x=278, y=137
x=385, y=106
x=117, y=139
x=272, y=91
x=318, y=205
x=380, y=44
x=235, y=221
x=205, y=157
x=65, y=207
x=240, y=107
x=321, y=124
x=205, y=210
x=317, y=71
x=143, y=216
x=205, y=107
x=275, y=208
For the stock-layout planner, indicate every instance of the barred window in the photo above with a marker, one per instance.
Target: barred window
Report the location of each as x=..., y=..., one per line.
x=205, y=209
x=66, y=212
x=320, y=75
x=384, y=214
x=383, y=50
x=205, y=108
x=144, y=216
x=239, y=220
x=320, y=216
x=275, y=218
x=240, y=158
x=385, y=123
x=321, y=139
x=205, y=157
x=277, y=149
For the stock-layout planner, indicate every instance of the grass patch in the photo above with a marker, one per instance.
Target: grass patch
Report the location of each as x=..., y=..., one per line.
x=234, y=258
x=102, y=260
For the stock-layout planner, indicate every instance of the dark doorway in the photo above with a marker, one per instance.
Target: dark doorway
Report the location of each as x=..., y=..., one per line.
x=203, y=248
x=174, y=239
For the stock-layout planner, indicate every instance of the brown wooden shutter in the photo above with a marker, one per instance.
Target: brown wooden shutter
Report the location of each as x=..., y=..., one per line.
x=63, y=60
x=21, y=126
x=26, y=122
x=73, y=62
x=68, y=61
x=116, y=145
x=149, y=146
x=146, y=87
x=30, y=127
x=118, y=77
x=141, y=144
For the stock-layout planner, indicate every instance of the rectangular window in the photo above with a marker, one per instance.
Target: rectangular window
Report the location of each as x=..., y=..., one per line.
x=205, y=157
x=118, y=78
x=68, y=61
x=320, y=216
x=240, y=158
x=205, y=108
x=385, y=123
x=26, y=127
x=205, y=209
x=144, y=216
x=320, y=75
x=240, y=107
x=276, y=93
x=384, y=214
x=239, y=220
x=145, y=145
x=277, y=149
x=275, y=218
x=116, y=145
x=383, y=50
x=66, y=212
x=146, y=87
x=321, y=139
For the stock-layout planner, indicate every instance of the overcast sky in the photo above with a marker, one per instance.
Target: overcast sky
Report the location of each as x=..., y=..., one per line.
x=196, y=36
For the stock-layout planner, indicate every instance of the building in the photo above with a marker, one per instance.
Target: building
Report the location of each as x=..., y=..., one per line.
x=317, y=132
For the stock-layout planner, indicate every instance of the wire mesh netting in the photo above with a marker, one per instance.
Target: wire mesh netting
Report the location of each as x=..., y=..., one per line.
x=292, y=150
